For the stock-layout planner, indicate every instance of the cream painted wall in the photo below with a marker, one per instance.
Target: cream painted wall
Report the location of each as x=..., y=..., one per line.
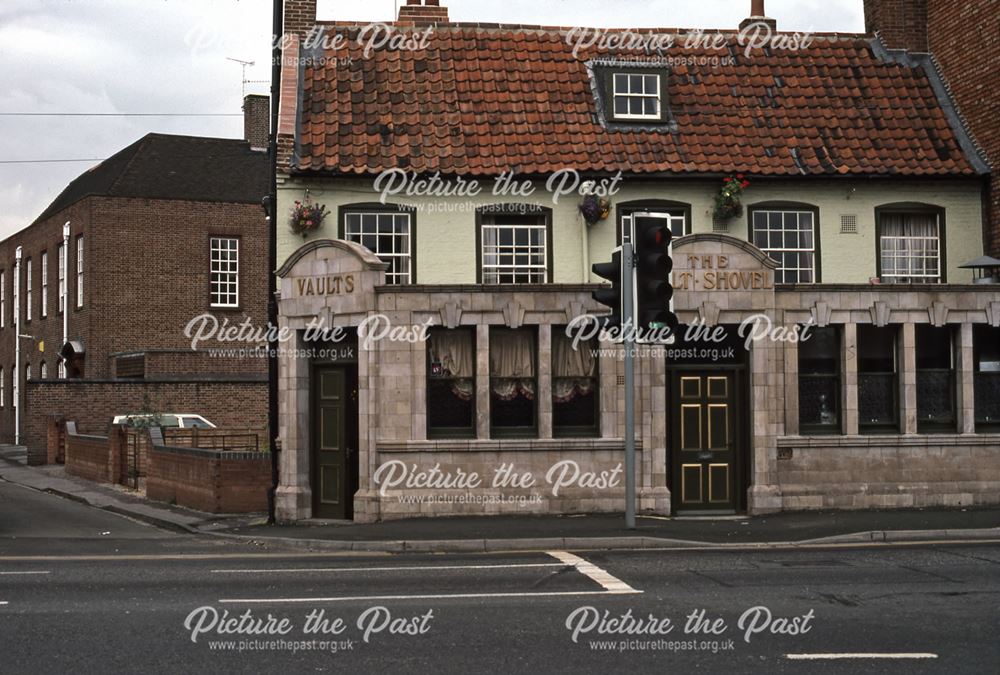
x=445, y=231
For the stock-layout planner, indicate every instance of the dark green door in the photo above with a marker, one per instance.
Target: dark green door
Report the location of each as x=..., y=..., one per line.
x=705, y=441
x=334, y=442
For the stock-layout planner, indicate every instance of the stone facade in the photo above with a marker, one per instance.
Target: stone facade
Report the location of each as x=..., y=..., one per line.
x=719, y=280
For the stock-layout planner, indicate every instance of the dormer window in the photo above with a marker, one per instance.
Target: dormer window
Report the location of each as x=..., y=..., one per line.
x=631, y=95
x=636, y=96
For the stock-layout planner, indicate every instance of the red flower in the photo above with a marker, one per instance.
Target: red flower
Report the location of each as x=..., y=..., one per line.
x=739, y=176
x=727, y=179
x=746, y=184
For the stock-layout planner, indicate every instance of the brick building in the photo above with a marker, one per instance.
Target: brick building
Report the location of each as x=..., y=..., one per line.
x=105, y=280
x=964, y=40
x=863, y=197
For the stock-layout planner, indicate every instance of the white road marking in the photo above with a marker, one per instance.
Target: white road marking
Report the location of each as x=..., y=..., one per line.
x=595, y=573
x=860, y=655
x=3, y=602
x=9, y=574
x=444, y=596
x=293, y=570
x=611, y=585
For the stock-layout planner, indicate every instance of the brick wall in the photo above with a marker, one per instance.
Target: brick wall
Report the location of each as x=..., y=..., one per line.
x=901, y=23
x=90, y=457
x=92, y=405
x=965, y=39
x=217, y=482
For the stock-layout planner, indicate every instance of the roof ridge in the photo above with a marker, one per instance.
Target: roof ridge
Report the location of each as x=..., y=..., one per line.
x=141, y=143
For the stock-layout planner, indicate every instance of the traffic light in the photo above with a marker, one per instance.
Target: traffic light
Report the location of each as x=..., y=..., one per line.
x=654, y=288
x=610, y=297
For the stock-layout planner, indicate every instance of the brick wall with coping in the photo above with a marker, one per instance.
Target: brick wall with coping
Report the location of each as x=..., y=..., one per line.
x=207, y=480
x=227, y=403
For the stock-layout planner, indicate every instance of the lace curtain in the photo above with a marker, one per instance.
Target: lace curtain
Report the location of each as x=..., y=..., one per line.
x=573, y=370
x=910, y=245
x=452, y=349
x=512, y=364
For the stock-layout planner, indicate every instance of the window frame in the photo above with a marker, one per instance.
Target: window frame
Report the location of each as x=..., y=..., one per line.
x=514, y=209
x=872, y=428
x=368, y=208
x=212, y=238
x=982, y=425
x=3, y=299
x=669, y=207
x=3, y=388
x=913, y=208
x=837, y=427
x=514, y=432
x=790, y=207
x=79, y=271
x=44, y=269
x=434, y=433
x=576, y=431
x=61, y=277
x=950, y=427
x=605, y=74
x=28, y=289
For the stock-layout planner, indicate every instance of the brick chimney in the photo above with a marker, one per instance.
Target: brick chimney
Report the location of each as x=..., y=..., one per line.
x=299, y=16
x=902, y=24
x=757, y=15
x=422, y=13
x=256, y=120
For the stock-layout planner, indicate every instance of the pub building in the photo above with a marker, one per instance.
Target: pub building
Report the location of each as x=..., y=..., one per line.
x=837, y=355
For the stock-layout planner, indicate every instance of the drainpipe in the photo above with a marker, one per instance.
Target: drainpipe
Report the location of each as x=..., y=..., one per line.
x=277, y=29
x=17, y=346
x=65, y=290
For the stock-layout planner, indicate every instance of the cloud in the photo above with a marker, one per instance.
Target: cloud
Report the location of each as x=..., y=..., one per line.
x=169, y=56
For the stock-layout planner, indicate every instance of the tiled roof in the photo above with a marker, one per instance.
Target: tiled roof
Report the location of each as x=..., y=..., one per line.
x=479, y=101
x=165, y=166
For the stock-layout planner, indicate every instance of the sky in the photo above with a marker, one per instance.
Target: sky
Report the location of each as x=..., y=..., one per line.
x=171, y=57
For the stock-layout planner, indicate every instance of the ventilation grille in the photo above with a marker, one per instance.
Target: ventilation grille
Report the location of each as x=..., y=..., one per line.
x=848, y=224
x=621, y=380
x=720, y=224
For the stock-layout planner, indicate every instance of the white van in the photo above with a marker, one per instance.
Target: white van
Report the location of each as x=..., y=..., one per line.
x=176, y=420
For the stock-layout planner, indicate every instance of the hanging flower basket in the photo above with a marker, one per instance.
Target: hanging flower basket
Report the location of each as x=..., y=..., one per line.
x=728, y=202
x=307, y=217
x=595, y=209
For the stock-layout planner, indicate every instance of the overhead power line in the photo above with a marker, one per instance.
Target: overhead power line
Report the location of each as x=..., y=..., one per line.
x=102, y=114
x=46, y=161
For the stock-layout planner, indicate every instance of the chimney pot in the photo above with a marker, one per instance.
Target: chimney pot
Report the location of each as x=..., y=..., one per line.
x=758, y=15
x=757, y=8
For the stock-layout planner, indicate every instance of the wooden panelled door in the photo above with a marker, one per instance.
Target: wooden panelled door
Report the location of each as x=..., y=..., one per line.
x=334, y=441
x=705, y=441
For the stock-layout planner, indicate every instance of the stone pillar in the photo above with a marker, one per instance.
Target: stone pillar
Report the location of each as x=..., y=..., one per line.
x=849, y=375
x=293, y=499
x=483, y=381
x=765, y=493
x=965, y=398
x=791, y=351
x=418, y=391
x=544, y=396
x=908, y=379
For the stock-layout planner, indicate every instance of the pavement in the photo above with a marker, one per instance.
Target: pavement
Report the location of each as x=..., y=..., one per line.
x=524, y=533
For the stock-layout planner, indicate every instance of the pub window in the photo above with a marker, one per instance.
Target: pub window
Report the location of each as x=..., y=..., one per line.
x=789, y=236
x=43, y=371
x=3, y=388
x=451, y=383
x=575, y=397
x=986, y=350
x=79, y=271
x=910, y=250
x=45, y=284
x=636, y=96
x=27, y=372
x=3, y=300
x=514, y=248
x=513, y=383
x=819, y=381
x=28, y=282
x=935, y=379
x=677, y=214
x=225, y=271
x=878, y=408
x=389, y=235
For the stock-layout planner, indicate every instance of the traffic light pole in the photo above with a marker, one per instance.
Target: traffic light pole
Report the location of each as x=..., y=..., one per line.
x=628, y=321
